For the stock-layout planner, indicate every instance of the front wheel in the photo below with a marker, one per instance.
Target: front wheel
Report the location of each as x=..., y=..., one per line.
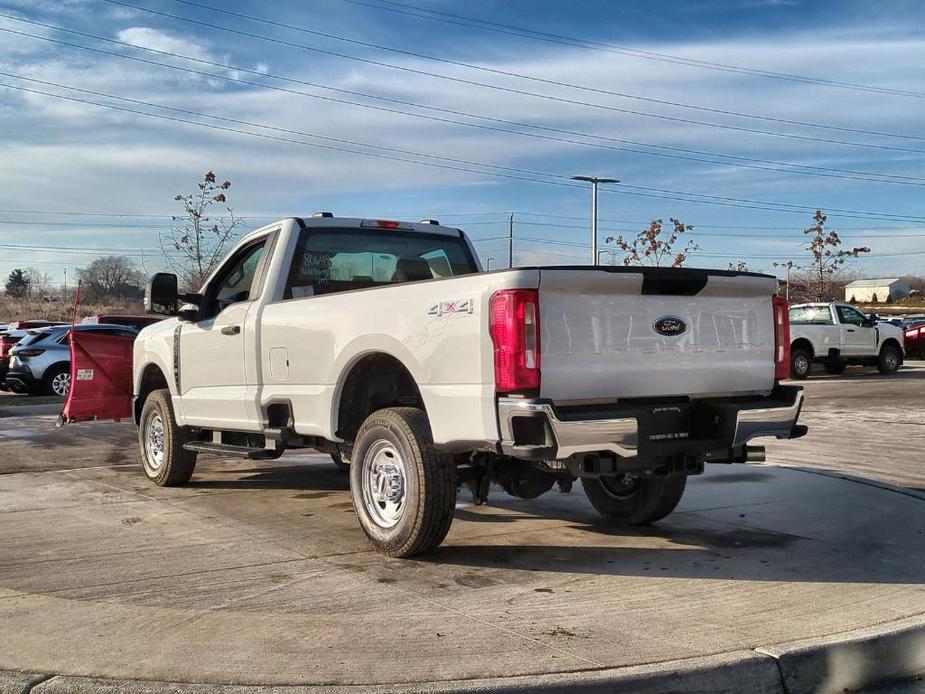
x=889, y=360
x=800, y=364
x=163, y=458
x=404, y=491
x=629, y=500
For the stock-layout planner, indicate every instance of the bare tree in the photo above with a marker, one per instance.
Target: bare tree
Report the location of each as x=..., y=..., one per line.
x=39, y=283
x=828, y=257
x=656, y=246
x=111, y=277
x=198, y=239
x=739, y=266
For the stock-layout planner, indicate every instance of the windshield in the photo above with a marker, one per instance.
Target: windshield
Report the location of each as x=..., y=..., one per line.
x=336, y=260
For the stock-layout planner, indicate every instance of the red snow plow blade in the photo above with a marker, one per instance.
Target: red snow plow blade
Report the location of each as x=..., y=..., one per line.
x=101, y=378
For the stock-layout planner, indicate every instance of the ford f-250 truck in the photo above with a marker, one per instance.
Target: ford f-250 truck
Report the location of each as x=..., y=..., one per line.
x=384, y=344
x=838, y=335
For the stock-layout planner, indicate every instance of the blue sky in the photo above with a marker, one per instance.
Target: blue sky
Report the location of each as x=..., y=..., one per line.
x=593, y=108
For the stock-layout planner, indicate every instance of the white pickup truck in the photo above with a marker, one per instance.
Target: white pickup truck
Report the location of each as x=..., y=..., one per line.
x=838, y=335
x=385, y=345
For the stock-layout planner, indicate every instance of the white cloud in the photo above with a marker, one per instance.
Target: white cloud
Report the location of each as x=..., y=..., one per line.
x=158, y=40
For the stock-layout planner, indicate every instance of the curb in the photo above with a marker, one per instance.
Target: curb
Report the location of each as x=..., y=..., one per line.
x=738, y=672
x=870, y=657
x=861, y=659
x=30, y=410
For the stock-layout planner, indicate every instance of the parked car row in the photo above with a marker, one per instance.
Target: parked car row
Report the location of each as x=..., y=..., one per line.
x=35, y=355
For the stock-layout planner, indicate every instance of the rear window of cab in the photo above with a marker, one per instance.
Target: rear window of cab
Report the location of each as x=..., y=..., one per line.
x=337, y=260
x=811, y=315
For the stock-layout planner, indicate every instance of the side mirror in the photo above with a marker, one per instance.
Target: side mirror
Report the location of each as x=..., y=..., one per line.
x=161, y=294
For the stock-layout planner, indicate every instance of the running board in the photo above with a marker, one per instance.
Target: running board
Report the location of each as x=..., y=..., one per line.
x=228, y=449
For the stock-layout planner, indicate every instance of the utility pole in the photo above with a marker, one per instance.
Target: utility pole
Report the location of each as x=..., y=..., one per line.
x=488, y=263
x=65, y=283
x=789, y=265
x=594, y=180
x=510, y=240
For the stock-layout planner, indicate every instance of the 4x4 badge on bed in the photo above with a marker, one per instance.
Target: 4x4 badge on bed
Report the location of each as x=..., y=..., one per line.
x=669, y=326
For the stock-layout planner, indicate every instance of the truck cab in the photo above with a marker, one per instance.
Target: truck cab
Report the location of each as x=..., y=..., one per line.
x=838, y=335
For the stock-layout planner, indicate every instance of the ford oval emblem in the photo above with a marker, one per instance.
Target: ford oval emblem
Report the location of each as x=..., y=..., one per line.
x=669, y=326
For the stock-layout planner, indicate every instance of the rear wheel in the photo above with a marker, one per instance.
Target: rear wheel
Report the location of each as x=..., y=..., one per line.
x=800, y=364
x=163, y=457
x=404, y=491
x=57, y=381
x=889, y=360
x=637, y=500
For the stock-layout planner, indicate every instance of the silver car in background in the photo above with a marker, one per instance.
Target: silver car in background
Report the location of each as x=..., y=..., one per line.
x=41, y=362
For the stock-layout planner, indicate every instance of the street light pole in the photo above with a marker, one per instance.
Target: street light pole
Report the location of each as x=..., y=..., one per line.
x=488, y=263
x=594, y=180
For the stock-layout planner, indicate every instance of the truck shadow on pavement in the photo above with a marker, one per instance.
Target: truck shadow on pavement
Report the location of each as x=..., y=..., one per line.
x=295, y=477
x=682, y=548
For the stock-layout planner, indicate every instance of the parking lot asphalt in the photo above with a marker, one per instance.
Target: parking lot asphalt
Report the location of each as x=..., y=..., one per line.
x=257, y=573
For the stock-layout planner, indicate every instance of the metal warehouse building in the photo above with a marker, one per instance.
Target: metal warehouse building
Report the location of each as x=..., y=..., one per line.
x=865, y=291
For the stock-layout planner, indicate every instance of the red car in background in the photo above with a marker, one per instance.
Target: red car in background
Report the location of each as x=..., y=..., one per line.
x=915, y=339
x=138, y=322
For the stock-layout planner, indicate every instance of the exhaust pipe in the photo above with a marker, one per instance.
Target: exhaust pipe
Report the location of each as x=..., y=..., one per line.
x=754, y=454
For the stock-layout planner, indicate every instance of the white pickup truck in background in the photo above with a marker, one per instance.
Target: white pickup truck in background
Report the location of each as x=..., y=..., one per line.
x=383, y=343
x=838, y=335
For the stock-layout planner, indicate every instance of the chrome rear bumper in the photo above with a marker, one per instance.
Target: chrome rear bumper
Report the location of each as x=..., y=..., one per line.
x=626, y=431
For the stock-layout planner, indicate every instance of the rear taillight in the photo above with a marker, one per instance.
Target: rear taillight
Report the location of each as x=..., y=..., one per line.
x=781, y=337
x=514, y=326
x=6, y=343
x=29, y=352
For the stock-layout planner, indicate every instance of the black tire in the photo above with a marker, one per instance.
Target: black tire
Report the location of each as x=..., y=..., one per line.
x=54, y=378
x=801, y=363
x=835, y=368
x=397, y=443
x=889, y=360
x=175, y=465
x=648, y=500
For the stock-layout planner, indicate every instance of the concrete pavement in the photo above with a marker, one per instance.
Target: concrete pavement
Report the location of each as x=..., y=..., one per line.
x=258, y=574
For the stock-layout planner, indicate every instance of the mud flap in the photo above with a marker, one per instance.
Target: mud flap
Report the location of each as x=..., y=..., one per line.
x=101, y=378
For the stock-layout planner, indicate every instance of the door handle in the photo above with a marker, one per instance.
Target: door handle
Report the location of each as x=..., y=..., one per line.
x=849, y=330
x=231, y=330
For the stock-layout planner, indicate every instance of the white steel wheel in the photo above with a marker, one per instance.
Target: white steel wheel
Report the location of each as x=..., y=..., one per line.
x=385, y=483
x=152, y=436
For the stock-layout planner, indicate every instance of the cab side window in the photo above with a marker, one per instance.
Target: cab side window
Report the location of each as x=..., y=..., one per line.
x=850, y=316
x=236, y=281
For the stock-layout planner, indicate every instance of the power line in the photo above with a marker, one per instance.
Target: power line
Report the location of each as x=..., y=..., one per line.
x=531, y=78
x=460, y=80
x=546, y=215
x=597, y=140
x=699, y=226
x=466, y=166
x=448, y=18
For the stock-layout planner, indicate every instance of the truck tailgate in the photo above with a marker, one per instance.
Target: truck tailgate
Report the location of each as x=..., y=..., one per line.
x=610, y=333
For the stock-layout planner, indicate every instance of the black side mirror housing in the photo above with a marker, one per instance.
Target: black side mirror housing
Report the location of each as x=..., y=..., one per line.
x=161, y=294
